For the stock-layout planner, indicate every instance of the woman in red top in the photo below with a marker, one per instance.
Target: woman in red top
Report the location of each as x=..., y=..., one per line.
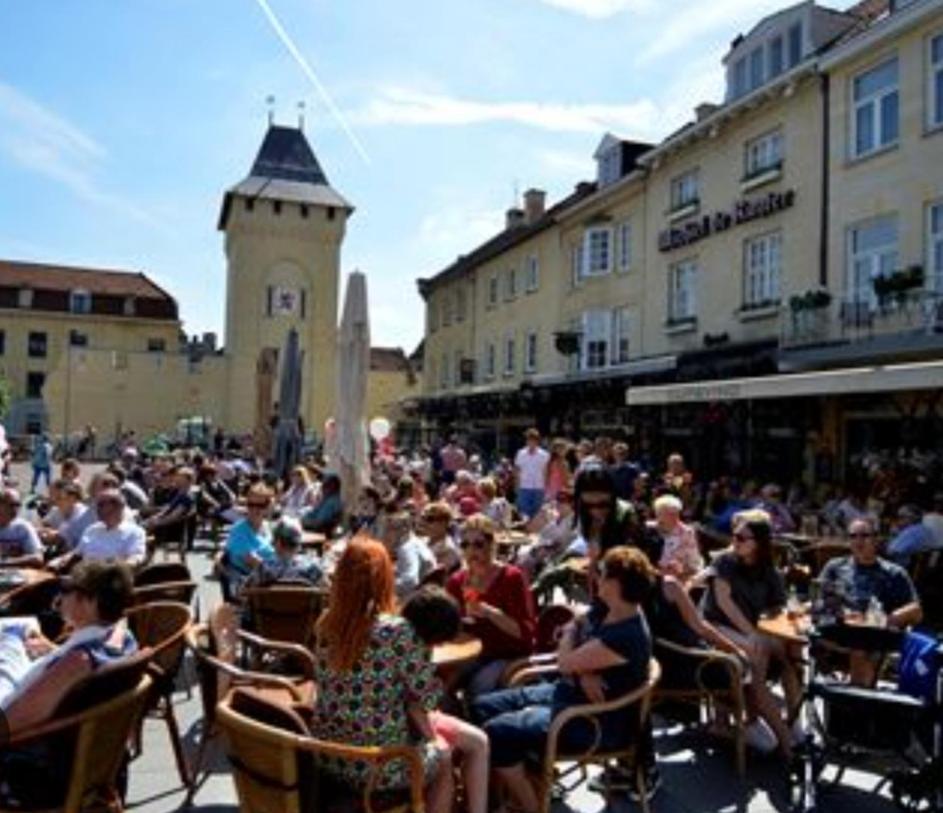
x=496, y=600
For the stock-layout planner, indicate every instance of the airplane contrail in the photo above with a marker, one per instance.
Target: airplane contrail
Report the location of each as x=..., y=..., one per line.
x=312, y=76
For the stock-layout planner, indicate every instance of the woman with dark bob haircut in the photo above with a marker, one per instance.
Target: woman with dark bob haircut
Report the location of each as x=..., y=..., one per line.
x=745, y=584
x=602, y=655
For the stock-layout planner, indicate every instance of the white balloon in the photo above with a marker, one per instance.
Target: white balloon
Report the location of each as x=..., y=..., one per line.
x=379, y=428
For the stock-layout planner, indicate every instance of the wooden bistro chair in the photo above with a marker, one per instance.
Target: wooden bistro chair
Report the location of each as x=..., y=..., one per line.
x=285, y=612
x=162, y=626
x=276, y=763
x=221, y=649
x=88, y=735
x=728, y=699
x=626, y=753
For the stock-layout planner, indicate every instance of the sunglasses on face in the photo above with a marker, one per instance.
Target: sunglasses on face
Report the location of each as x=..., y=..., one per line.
x=861, y=535
x=108, y=504
x=474, y=544
x=596, y=505
x=261, y=506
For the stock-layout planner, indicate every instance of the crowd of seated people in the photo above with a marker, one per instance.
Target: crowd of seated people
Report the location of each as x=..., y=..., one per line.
x=616, y=540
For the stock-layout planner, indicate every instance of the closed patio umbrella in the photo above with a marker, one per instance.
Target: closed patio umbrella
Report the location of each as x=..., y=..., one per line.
x=353, y=355
x=287, y=435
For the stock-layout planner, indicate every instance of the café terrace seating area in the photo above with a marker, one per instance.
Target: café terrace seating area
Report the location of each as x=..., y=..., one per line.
x=201, y=744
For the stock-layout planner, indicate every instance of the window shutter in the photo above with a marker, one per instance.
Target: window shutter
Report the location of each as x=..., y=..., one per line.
x=269, y=293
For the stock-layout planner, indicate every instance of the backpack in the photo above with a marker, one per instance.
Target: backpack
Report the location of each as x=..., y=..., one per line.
x=920, y=661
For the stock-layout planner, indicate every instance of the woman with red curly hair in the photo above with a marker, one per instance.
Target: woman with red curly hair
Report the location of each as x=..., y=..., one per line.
x=374, y=677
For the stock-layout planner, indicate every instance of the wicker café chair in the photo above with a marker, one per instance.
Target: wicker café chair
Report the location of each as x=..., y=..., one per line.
x=285, y=612
x=220, y=648
x=162, y=626
x=626, y=753
x=729, y=699
x=89, y=734
x=161, y=573
x=276, y=763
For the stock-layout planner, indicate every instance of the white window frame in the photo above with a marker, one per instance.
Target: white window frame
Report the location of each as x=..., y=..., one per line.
x=509, y=350
x=531, y=273
x=793, y=59
x=607, y=167
x=510, y=284
x=876, y=260
x=597, y=336
x=597, y=261
x=875, y=100
x=77, y=296
x=576, y=263
x=494, y=287
x=934, y=276
x=685, y=190
x=620, y=343
x=763, y=154
x=625, y=245
x=682, y=308
x=762, y=270
x=935, y=83
x=491, y=359
x=530, y=351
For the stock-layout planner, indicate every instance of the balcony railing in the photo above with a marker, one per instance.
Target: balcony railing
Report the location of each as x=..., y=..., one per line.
x=845, y=321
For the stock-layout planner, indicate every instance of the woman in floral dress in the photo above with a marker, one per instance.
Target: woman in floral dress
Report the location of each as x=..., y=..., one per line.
x=376, y=685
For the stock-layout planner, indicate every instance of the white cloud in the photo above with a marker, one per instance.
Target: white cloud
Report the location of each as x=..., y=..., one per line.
x=563, y=162
x=43, y=142
x=600, y=9
x=406, y=106
x=678, y=29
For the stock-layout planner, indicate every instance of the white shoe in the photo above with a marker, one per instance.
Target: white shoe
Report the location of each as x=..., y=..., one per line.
x=760, y=736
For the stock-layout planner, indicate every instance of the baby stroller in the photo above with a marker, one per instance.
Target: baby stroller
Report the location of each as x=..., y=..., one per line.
x=893, y=729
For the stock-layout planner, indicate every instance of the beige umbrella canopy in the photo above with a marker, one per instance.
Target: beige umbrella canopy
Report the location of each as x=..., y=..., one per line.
x=353, y=356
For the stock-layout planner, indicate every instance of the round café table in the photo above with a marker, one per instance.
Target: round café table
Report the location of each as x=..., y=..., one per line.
x=793, y=629
x=15, y=581
x=311, y=539
x=463, y=649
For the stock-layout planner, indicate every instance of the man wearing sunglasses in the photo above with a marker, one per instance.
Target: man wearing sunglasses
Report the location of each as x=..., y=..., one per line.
x=864, y=574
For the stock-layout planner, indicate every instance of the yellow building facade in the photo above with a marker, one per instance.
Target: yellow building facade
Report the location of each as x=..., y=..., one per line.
x=746, y=244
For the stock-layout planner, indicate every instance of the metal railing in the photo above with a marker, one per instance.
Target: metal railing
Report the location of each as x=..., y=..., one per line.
x=848, y=320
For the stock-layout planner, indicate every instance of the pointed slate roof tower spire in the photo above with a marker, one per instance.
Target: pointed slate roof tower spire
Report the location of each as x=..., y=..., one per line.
x=285, y=169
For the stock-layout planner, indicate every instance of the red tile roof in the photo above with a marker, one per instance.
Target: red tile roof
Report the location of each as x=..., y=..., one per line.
x=15, y=274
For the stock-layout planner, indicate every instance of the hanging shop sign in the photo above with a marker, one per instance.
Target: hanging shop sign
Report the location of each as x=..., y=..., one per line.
x=743, y=212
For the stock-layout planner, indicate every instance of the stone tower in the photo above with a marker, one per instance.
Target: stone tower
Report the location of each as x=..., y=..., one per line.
x=284, y=225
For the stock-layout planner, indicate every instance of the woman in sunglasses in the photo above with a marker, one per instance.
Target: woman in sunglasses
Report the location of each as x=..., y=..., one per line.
x=249, y=542
x=496, y=600
x=745, y=584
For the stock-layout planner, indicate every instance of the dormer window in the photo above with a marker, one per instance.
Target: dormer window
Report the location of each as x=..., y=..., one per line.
x=795, y=44
x=129, y=306
x=764, y=56
x=80, y=302
x=607, y=166
x=775, y=56
x=25, y=298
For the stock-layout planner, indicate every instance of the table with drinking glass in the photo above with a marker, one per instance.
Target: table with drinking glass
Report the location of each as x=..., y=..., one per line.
x=463, y=649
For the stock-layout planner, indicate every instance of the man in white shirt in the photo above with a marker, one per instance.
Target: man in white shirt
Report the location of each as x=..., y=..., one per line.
x=112, y=537
x=64, y=525
x=19, y=543
x=530, y=467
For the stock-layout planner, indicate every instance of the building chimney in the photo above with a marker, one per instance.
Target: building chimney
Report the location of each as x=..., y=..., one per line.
x=514, y=218
x=534, y=200
x=702, y=111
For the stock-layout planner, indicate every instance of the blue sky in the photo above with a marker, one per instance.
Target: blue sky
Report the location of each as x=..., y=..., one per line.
x=122, y=123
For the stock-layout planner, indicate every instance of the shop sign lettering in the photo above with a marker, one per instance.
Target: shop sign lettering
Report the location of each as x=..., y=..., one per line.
x=743, y=212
